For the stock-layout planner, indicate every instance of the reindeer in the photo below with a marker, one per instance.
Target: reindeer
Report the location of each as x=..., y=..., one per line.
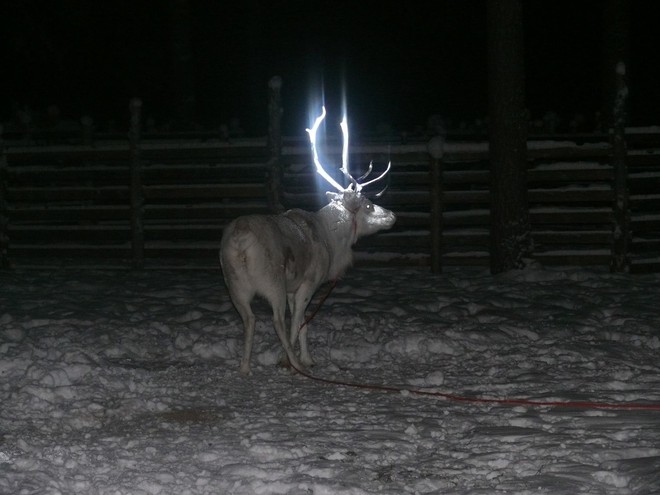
x=285, y=258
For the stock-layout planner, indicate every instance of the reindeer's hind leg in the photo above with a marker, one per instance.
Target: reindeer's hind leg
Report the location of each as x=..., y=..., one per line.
x=277, y=300
x=242, y=305
x=298, y=303
x=305, y=356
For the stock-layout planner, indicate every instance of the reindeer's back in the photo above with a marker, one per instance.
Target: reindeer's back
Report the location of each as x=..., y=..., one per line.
x=286, y=246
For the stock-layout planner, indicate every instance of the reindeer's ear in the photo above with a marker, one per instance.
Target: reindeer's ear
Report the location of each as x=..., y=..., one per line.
x=333, y=196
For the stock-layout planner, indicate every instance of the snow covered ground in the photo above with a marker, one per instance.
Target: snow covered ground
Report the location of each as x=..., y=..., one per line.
x=118, y=382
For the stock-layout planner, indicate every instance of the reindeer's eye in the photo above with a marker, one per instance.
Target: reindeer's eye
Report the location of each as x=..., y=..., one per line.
x=369, y=206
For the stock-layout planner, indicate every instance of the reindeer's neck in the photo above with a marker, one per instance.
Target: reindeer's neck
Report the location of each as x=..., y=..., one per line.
x=341, y=235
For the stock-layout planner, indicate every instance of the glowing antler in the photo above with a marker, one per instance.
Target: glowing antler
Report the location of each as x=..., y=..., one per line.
x=344, y=156
x=389, y=166
x=355, y=184
x=319, y=168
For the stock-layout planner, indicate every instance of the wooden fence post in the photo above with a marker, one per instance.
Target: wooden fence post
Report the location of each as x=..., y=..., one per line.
x=137, y=197
x=620, y=261
x=274, y=167
x=436, y=151
x=4, y=216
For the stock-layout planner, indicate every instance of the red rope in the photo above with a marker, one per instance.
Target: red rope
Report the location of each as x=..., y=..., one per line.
x=333, y=284
x=486, y=400
x=471, y=400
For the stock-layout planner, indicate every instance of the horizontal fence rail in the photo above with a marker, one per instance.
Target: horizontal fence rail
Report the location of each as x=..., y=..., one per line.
x=71, y=205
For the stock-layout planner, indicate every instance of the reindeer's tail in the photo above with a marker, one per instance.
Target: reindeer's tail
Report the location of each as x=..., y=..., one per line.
x=237, y=239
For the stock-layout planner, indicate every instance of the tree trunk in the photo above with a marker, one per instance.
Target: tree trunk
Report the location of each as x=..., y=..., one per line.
x=616, y=22
x=510, y=233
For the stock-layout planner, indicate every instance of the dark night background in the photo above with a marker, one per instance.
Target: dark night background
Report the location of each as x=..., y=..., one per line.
x=399, y=61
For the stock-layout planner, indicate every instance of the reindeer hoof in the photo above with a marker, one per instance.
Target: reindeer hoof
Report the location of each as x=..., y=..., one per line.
x=283, y=361
x=308, y=363
x=296, y=367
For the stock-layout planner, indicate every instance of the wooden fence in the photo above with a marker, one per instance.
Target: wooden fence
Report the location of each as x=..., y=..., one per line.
x=77, y=205
x=643, y=180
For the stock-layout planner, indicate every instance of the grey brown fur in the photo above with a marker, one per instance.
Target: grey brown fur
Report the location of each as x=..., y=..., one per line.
x=285, y=258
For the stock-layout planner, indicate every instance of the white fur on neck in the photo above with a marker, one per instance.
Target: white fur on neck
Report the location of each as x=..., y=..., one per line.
x=340, y=224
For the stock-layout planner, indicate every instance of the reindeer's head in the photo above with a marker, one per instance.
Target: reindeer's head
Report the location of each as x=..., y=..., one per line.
x=367, y=217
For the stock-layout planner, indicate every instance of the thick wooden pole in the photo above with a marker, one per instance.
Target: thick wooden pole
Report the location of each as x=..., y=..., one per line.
x=620, y=261
x=274, y=166
x=436, y=152
x=137, y=198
